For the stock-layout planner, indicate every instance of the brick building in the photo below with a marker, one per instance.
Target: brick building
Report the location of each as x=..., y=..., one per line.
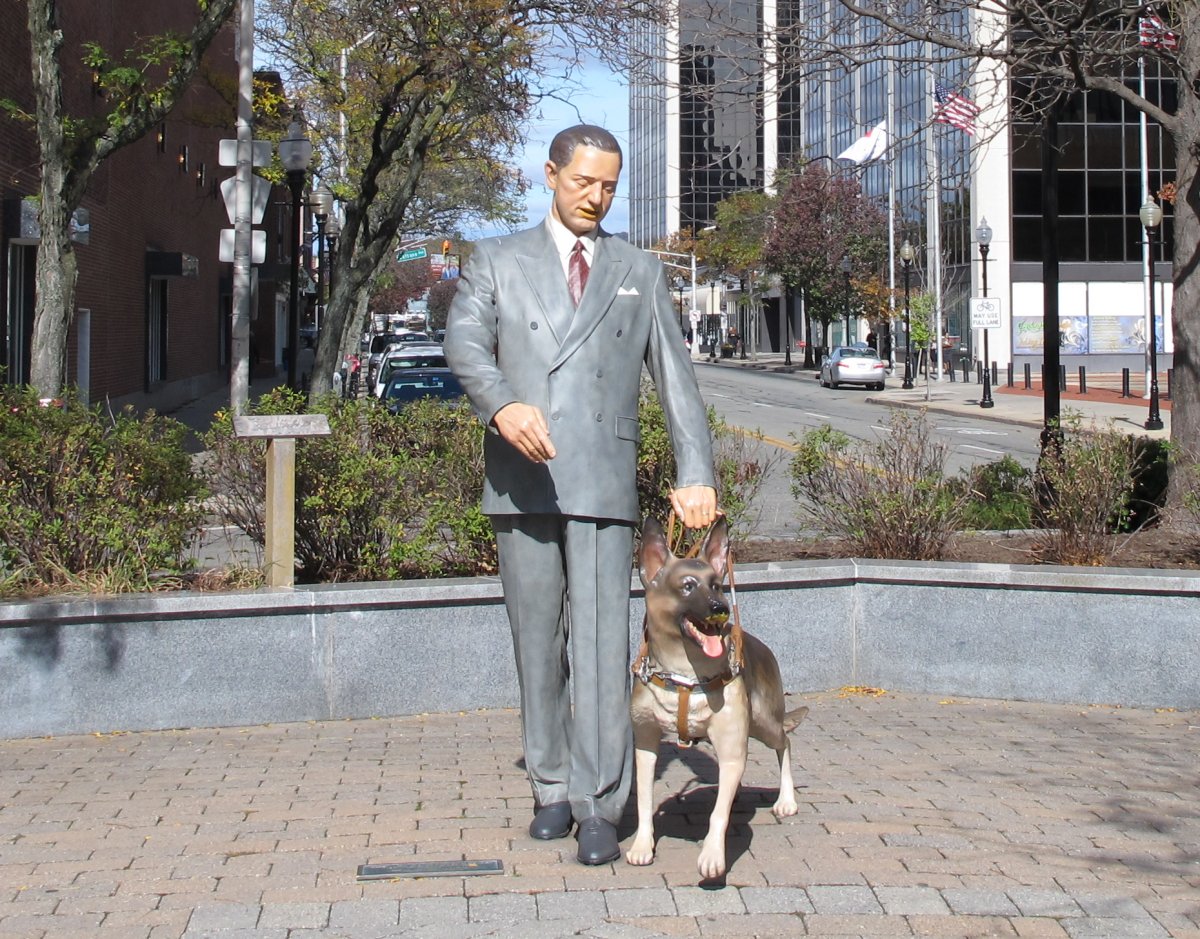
x=153, y=303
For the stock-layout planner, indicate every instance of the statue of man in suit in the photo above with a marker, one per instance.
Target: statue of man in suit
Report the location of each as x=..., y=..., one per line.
x=548, y=334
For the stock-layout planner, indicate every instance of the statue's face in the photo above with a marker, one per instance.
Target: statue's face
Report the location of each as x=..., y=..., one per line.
x=584, y=188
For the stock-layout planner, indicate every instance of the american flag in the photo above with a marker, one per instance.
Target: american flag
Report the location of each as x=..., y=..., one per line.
x=953, y=108
x=1153, y=32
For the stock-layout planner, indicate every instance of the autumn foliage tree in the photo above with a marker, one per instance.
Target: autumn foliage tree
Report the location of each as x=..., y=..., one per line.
x=820, y=218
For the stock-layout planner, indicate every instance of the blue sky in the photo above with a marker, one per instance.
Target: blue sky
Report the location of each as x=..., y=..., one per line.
x=600, y=97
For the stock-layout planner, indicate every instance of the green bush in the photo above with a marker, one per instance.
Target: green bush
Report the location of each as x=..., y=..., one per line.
x=742, y=465
x=1000, y=496
x=92, y=500
x=381, y=498
x=1151, y=468
x=386, y=497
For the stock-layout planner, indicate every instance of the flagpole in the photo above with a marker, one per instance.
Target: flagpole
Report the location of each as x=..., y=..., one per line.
x=1146, y=259
x=933, y=230
x=891, y=171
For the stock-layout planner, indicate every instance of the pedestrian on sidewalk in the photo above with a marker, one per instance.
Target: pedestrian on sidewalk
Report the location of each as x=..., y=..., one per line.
x=548, y=334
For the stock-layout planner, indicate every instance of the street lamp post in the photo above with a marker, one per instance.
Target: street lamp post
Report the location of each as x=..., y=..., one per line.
x=785, y=302
x=1151, y=215
x=983, y=234
x=322, y=204
x=846, y=268
x=679, y=282
x=906, y=255
x=295, y=153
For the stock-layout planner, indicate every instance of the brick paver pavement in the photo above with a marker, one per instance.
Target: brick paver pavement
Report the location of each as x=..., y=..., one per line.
x=918, y=817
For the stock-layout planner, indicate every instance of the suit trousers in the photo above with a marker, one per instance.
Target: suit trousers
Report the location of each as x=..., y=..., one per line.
x=566, y=580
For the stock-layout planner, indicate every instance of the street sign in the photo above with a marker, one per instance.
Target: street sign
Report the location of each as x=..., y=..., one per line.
x=262, y=152
x=985, y=312
x=260, y=195
x=410, y=254
x=258, y=246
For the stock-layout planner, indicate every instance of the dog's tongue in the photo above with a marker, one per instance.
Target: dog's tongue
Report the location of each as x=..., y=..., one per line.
x=712, y=646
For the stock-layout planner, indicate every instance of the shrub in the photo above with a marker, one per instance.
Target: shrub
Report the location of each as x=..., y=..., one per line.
x=1084, y=485
x=1000, y=496
x=741, y=464
x=387, y=497
x=92, y=500
x=381, y=498
x=1148, y=498
x=885, y=500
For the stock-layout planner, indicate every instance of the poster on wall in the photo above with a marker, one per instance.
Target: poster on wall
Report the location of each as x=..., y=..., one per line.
x=1073, y=335
x=1027, y=335
x=1124, y=333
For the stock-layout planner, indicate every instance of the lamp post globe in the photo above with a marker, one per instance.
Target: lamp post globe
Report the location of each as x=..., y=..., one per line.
x=983, y=235
x=321, y=200
x=295, y=153
x=906, y=255
x=1151, y=215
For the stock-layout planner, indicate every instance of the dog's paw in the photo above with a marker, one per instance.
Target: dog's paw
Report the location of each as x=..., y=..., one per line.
x=641, y=852
x=785, y=806
x=712, y=859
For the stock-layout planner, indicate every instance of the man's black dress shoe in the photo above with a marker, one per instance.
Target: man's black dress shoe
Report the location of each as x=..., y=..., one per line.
x=597, y=841
x=551, y=821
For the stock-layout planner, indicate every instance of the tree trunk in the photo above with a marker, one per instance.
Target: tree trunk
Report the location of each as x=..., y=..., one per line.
x=1185, y=387
x=56, y=268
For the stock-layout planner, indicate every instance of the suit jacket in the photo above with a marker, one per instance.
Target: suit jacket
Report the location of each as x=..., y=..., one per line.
x=512, y=335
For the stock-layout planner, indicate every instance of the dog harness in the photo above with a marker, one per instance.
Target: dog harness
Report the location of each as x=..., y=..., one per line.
x=643, y=669
x=684, y=688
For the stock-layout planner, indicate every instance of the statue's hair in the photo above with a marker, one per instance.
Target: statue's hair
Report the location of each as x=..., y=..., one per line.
x=563, y=146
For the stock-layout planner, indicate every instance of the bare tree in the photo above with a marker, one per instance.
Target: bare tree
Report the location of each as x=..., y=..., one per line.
x=1050, y=51
x=434, y=100
x=141, y=86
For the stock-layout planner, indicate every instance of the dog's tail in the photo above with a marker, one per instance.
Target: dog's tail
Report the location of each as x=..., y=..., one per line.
x=792, y=719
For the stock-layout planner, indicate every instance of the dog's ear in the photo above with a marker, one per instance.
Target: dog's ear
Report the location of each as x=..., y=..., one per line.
x=715, y=549
x=654, y=552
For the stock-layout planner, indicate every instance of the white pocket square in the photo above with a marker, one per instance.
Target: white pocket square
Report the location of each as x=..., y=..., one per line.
x=627, y=292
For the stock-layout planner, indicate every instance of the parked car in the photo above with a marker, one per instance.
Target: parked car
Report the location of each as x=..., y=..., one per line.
x=849, y=365
x=381, y=343
x=406, y=386
x=408, y=357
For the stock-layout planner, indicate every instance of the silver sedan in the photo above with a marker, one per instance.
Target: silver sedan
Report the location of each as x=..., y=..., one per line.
x=848, y=365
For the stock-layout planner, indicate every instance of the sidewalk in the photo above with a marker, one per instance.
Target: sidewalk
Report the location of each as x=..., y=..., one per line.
x=918, y=817
x=1101, y=407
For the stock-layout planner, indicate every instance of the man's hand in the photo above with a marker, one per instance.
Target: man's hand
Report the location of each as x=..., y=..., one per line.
x=524, y=426
x=696, y=506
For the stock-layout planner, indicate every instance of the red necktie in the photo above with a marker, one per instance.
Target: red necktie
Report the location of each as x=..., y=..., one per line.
x=577, y=273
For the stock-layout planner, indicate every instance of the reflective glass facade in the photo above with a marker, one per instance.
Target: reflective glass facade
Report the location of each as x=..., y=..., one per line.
x=1099, y=175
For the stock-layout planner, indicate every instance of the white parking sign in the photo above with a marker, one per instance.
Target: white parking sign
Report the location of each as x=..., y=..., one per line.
x=985, y=312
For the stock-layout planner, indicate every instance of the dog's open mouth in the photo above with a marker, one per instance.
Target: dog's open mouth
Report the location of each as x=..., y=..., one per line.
x=708, y=634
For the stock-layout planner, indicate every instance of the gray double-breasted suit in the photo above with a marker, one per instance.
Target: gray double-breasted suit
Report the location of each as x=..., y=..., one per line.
x=565, y=527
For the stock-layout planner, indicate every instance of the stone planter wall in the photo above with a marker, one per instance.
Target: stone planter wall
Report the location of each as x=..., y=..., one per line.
x=1091, y=636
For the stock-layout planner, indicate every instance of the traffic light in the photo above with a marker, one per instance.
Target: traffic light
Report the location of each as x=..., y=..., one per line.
x=446, y=246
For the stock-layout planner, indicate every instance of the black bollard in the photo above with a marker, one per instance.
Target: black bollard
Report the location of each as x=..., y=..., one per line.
x=1062, y=378
x=1028, y=379
x=966, y=367
x=1010, y=375
x=1125, y=383
x=1083, y=379
x=995, y=374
